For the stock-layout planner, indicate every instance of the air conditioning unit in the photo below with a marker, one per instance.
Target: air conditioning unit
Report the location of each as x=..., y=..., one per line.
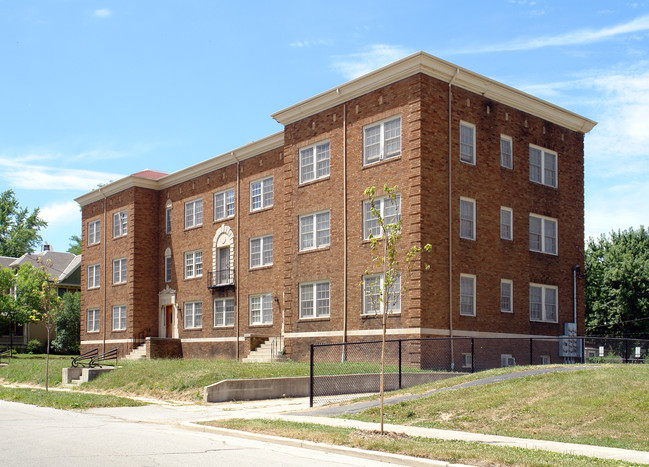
x=507, y=360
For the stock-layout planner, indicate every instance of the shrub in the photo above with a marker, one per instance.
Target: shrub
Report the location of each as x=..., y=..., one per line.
x=34, y=346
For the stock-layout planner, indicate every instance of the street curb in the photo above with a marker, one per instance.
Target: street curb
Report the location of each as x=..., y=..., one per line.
x=329, y=448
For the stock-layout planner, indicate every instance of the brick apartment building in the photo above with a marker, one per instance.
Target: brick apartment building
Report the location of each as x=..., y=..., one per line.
x=270, y=239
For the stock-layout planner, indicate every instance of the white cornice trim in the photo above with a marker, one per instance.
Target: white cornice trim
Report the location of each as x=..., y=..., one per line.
x=422, y=62
x=247, y=151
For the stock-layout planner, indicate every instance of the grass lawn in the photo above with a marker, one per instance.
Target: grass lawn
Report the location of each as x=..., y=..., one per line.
x=64, y=399
x=449, y=451
x=608, y=406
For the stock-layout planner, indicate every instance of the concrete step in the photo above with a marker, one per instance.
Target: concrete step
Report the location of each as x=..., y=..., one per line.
x=139, y=353
x=263, y=353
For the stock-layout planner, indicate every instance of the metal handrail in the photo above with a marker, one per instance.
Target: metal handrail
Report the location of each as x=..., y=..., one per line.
x=110, y=355
x=220, y=278
x=84, y=359
x=276, y=346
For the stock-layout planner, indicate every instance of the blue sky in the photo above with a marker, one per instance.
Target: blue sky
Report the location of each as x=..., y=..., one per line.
x=91, y=91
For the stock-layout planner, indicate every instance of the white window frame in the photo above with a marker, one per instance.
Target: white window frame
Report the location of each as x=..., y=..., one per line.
x=168, y=268
x=259, y=303
x=120, y=224
x=468, y=157
x=506, y=228
x=168, y=220
x=372, y=306
x=194, y=218
x=546, y=306
x=92, y=320
x=467, y=360
x=224, y=205
x=316, y=297
x=193, y=315
x=371, y=224
x=506, y=153
x=506, y=295
x=545, y=244
x=463, y=294
x=264, y=198
x=119, y=318
x=463, y=219
x=314, y=161
x=383, y=141
x=265, y=246
x=94, y=276
x=193, y=264
x=120, y=271
x=313, y=233
x=226, y=315
x=546, y=176
x=94, y=232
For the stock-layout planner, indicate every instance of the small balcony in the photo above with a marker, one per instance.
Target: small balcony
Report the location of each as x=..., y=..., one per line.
x=220, y=278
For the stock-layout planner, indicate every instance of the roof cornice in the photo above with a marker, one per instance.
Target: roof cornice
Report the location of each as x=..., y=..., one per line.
x=247, y=151
x=422, y=62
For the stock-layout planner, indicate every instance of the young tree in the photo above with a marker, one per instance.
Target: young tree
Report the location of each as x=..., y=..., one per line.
x=384, y=237
x=75, y=245
x=68, y=324
x=617, y=284
x=18, y=227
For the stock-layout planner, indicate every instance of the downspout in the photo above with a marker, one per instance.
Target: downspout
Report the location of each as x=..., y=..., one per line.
x=236, y=273
x=344, y=228
x=103, y=345
x=574, y=294
x=450, y=215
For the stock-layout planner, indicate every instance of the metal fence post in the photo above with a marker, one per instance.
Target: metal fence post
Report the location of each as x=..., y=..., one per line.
x=311, y=378
x=531, y=351
x=472, y=355
x=400, y=363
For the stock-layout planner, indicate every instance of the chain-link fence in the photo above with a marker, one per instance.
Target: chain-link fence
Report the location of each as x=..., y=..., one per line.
x=343, y=371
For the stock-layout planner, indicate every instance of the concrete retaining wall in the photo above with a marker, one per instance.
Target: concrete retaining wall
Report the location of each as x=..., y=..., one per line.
x=298, y=386
x=85, y=374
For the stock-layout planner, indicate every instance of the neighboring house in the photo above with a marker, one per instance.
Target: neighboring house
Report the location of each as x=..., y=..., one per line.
x=64, y=267
x=270, y=239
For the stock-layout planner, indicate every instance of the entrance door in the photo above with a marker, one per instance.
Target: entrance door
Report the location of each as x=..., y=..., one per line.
x=223, y=273
x=169, y=320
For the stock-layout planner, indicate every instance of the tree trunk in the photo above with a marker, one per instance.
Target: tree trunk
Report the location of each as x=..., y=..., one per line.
x=47, y=363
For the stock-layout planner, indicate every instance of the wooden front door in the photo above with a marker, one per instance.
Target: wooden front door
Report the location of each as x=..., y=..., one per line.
x=169, y=320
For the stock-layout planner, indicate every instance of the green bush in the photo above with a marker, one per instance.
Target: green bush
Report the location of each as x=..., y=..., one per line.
x=34, y=346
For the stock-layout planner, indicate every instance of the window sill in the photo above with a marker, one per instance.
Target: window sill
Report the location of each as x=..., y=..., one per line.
x=193, y=227
x=543, y=321
x=380, y=315
x=468, y=239
x=229, y=326
x=472, y=164
x=260, y=325
x=193, y=278
x=315, y=319
x=193, y=329
x=381, y=162
x=260, y=268
x=468, y=316
x=93, y=244
x=507, y=312
x=98, y=287
x=120, y=283
x=255, y=211
x=544, y=253
x=314, y=181
x=314, y=250
x=93, y=332
x=543, y=184
x=118, y=330
x=120, y=236
x=222, y=219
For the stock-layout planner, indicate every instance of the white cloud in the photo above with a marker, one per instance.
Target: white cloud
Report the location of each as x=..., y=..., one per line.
x=310, y=43
x=61, y=214
x=582, y=36
x=616, y=208
x=102, y=13
x=372, y=57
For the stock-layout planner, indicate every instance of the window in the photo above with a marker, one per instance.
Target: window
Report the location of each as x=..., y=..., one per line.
x=467, y=360
x=506, y=293
x=374, y=295
x=314, y=231
x=193, y=264
x=120, y=224
x=506, y=152
x=119, y=318
x=543, y=303
x=314, y=300
x=261, y=194
x=314, y=162
x=93, y=276
x=93, y=320
x=261, y=309
x=193, y=213
x=467, y=218
x=543, y=234
x=168, y=268
x=224, y=204
x=261, y=251
x=382, y=141
x=545, y=360
x=543, y=166
x=94, y=232
x=467, y=143
x=193, y=315
x=467, y=295
x=506, y=227
x=224, y=274
x=119, y=271
x=389, y=209
x=168, y=220
x=223, y=312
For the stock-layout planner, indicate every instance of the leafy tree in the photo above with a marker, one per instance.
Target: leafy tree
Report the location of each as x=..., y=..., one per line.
x=385, y=256
x=617, y=284
x=18, y=227
x=68, y=324
x=75, y=245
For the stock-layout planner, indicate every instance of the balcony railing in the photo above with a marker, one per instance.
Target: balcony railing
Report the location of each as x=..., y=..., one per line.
x=220, y=278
